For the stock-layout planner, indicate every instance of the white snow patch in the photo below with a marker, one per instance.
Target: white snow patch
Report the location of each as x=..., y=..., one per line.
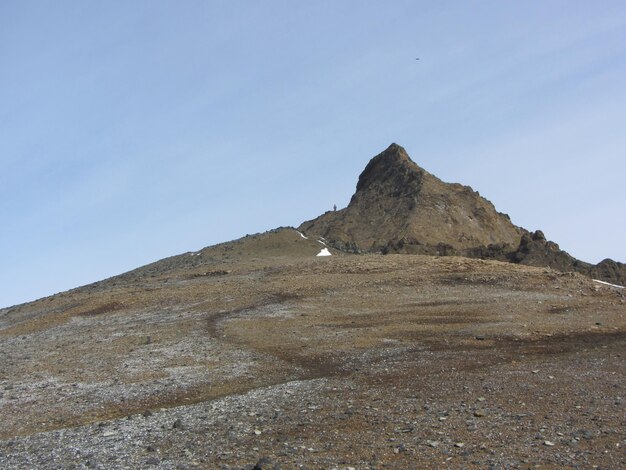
x=324, y=252
x=608, y=284
x=320, y=241
x=302, y=235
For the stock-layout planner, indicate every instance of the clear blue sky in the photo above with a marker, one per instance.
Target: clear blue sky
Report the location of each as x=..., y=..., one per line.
x=131, y=131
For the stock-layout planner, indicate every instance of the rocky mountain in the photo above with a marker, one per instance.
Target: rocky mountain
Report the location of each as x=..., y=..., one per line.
x=259, y=353
x=399, y=207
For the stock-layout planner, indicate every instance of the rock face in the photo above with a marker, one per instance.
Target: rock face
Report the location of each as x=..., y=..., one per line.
x=535, y=250
x=399, y=207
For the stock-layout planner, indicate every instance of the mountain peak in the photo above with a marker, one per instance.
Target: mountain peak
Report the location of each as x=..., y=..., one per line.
x=400, y=207
x=391, y=172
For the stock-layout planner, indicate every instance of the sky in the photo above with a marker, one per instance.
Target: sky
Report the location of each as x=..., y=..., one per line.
x=132, y=131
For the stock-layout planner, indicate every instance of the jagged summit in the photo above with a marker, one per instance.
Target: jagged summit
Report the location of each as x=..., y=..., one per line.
x=391, y=170
x=399, y=207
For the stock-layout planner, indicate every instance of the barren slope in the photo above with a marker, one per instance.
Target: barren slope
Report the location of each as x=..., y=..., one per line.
x=258, y=348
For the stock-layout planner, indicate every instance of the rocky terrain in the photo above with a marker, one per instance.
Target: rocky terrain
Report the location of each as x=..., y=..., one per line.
x=259, y=354
x=220, y=358
x=399, y=207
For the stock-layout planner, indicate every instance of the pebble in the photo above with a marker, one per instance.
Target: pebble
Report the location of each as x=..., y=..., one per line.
x=406, y=429
x=548, y=443
x=262, y=464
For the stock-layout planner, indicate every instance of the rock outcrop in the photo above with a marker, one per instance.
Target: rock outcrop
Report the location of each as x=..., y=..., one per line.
x=535, y=250
x=399, y=207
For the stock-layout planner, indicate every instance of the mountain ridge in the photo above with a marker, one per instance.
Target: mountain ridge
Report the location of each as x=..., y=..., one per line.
x=258, y=345
x=394, y=203
x=398, y=207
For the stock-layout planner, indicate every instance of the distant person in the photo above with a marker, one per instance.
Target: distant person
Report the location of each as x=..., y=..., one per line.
x=335, y=207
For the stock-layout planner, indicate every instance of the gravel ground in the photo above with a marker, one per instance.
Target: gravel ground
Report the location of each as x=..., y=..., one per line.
x=292, y=362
